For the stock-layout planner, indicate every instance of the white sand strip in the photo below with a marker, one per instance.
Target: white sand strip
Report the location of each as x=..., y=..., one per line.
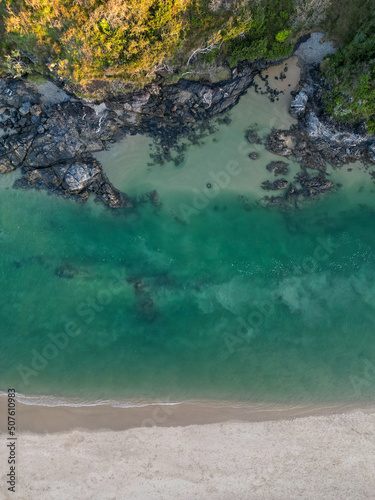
x=326, y=457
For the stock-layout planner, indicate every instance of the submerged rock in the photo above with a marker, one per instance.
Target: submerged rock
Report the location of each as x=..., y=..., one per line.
x=278, y=167
x=319, y=184
x=253, y=137
x=67, y=271
x=254, y=155
x=275, y=185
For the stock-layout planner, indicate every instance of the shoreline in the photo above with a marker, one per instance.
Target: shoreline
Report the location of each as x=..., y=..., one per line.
x=66, y=415
x=312, y=457
x=165, y=113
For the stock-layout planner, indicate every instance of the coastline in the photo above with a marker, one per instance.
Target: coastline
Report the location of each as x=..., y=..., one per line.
x=191, y=449
x=55, y=144
x=51, y=415
x=310, y=457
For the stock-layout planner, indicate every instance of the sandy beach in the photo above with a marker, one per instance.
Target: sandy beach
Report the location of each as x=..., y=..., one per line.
x=192, y=451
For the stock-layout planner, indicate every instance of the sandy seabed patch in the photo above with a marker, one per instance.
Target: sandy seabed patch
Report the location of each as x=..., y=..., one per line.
x=324, y=457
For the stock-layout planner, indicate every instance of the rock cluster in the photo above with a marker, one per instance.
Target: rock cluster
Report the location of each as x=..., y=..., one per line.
x=185, y=101
x=314, y=142
x=278, y=167
x=53, y=145
x=275, y=185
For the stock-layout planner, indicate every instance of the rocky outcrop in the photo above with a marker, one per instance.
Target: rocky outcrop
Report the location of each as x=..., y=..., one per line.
x=279, y=142
x=185, y=101
x=318, y=184
x=314, y=142
x=298, y=105
x=53, y=145
x=320, y=140
x=304, y=187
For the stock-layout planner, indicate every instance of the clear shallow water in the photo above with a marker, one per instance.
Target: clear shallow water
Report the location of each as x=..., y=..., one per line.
x=236, y=304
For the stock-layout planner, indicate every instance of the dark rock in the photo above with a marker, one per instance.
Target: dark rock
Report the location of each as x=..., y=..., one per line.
x=279, y=142
x=80, y=175
x=298, y=105
x=278, y=167
x=275, y=185
x=254, y=155
x=319, y=184
x=13, y=151
x=371, y=152
x=35, y=120
x=253, y=137
x=25, y=109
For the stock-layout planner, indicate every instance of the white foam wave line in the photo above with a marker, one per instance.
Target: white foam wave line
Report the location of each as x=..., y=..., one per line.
x=52, y=401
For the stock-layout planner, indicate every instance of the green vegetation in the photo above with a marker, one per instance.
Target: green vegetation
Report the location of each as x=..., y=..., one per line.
x=131, y=39
x=268, y=35
x=351, y=74
x=344, y=18
x=283, y=35
x=93, y=42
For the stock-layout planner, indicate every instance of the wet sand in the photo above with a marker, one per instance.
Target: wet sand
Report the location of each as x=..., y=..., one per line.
x=64, y=417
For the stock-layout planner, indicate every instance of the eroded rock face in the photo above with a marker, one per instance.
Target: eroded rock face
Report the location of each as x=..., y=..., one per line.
x=298, y=105
x=13, y=151
x=80, y=175
x=53, y=145
x=184, y=102
x=13, y=93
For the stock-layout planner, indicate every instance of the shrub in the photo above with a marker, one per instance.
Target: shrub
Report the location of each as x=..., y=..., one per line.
x=283, y=35
x=351, y=75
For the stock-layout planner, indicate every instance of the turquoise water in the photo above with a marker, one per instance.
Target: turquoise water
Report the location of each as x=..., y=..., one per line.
x=236, y=304
x=256, y=306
